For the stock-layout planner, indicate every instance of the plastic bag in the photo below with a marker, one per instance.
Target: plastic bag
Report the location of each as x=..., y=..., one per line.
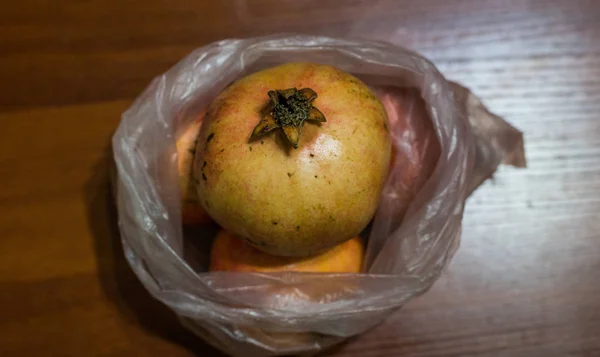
x=255, y=314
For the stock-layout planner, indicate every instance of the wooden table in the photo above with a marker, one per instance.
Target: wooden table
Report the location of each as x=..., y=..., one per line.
x=524, y=282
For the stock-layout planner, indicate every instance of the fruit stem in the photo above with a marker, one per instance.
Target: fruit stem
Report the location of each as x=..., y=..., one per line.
x=288, y=109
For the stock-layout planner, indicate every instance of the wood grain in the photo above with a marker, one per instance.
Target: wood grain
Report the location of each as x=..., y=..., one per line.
x=524, y=282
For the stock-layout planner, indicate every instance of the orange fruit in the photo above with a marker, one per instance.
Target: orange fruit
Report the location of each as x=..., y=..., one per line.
x=230, y=253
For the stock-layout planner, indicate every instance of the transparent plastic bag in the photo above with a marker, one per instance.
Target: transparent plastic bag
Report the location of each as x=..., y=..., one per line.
x=412, y=237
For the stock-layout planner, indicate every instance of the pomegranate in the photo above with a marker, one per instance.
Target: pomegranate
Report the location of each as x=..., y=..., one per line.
x=293, y=158
x=415, y=147
x=191, y=210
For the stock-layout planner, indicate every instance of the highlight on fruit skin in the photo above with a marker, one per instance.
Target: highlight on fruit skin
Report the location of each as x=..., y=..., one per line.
x=191, y=210
x=231, y=253
x=294, y=201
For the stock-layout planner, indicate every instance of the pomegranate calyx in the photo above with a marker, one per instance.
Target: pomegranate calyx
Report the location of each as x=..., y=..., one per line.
x=288, y=109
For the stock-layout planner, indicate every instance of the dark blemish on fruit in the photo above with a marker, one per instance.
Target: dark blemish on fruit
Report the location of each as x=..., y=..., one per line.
x=250, y=148
x=355, y=129
x=297, y=227
x=385, y=127
x=258, y=242
x=274, y=223
x=204, y=165
x=329, y=182
x=262, y=142
x=192, y=151
x=312, y=155
x=222, y=150
x=210, y=137
x=290, y=174
x=203, y=176
x=316, y=176
x=368, y=95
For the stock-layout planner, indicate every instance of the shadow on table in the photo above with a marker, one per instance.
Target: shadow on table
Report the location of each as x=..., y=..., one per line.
x=118, y=281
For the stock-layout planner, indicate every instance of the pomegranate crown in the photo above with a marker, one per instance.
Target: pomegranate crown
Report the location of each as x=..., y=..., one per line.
x=288, y=109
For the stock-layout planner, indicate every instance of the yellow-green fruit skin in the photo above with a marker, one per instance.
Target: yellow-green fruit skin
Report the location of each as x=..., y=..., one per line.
x=286, y=201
